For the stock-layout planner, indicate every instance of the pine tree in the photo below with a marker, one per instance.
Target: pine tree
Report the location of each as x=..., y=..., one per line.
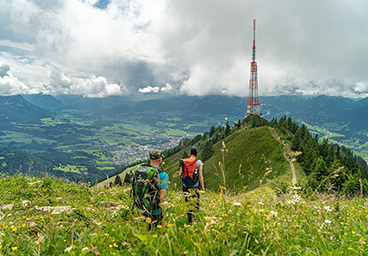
x=118, y=181
x=227, y=129
x=127, y=178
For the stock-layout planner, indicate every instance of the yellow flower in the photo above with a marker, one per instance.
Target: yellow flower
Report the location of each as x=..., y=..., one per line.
x=106, y=234
x=154, y=235
x=24, y=217
x=28, y=219
x=262, y=210
x=115, y=245
x=353, y=232
x=110, y=245
x=159, y=226
x=37, y=243
x=24, y=225
x=168, y=225
x=14, y=248
x=148, y=220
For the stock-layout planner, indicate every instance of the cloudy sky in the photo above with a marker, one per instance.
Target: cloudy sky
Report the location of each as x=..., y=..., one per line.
x=99, y=48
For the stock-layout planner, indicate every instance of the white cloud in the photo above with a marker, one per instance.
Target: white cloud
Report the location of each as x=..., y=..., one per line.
x=149, y=89
x=9, y=85
x=167, y=88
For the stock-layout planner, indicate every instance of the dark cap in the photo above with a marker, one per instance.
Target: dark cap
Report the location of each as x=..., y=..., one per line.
x=155, y=154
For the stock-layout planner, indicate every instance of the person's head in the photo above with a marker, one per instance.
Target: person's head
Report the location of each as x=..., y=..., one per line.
x=194, y=151
x=155, y=157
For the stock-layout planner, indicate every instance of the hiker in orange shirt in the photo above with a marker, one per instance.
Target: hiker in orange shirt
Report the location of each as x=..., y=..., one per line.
x=191, y=175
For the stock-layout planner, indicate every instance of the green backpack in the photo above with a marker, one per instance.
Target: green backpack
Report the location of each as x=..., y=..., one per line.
x=146, y=191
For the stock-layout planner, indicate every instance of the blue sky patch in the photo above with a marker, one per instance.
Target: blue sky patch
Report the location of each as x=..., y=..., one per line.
x=102, y=4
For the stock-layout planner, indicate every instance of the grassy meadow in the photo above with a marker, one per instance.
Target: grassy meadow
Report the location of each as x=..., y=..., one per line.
x=44, y=216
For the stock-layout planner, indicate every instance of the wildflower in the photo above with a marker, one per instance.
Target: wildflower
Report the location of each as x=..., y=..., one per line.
x=37, y=243
x=110, y=245
x=148, y=220
x=147, y=252
x=154, y=236
x=159, y=226
x=24, y=225
x=68, y=249
x=353, y=232
x=13, y=228
x=168, y=225
x=125, y=243
x=115, y=245
x=328, y=208
x=14, y=248
x=296, y=197
x=106, y=234
x=291, y=201
x=85, y=249
x=261, y=203
x=328, y=221
x=74, y=236
x=237, y=204
x=262, y=210
x=273, y=213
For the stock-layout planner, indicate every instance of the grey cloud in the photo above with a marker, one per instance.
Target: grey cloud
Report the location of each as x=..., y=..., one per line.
x=4, y=68
x=197, y=47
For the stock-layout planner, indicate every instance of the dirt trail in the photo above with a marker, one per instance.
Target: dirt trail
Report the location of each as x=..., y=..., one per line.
x=286, y=152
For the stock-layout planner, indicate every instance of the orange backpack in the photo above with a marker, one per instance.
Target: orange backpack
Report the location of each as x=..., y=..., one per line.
x=189, y=173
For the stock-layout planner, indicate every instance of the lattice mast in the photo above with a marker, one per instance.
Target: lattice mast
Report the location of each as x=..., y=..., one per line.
x=253, y=107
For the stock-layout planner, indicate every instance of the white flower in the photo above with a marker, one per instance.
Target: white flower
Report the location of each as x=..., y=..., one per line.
x=328, y=221
x=328, y=208
x=261, y=203
x=237, y=204
x=68, y=249
x=273, y=213
x=296, y=197
x=85, y=249
x=291, y=201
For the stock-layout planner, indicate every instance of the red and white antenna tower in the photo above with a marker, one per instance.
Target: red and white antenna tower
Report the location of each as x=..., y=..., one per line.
x=253, y=107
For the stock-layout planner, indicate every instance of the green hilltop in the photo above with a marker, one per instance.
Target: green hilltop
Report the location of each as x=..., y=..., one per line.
x=245, y=155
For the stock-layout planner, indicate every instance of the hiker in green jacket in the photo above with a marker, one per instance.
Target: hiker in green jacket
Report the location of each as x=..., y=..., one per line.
x=155, y=157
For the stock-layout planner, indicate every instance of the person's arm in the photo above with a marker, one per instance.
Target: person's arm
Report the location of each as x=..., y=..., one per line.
x=180, y=172
x=164, y=186
x=200, y=176
x=163, y=199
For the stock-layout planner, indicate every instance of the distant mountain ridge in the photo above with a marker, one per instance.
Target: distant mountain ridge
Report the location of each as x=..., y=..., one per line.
x=17, y=109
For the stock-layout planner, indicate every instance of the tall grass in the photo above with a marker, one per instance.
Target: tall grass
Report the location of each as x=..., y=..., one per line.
x=255, y=223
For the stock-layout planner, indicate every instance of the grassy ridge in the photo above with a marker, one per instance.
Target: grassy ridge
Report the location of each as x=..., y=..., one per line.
x=248, y=155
